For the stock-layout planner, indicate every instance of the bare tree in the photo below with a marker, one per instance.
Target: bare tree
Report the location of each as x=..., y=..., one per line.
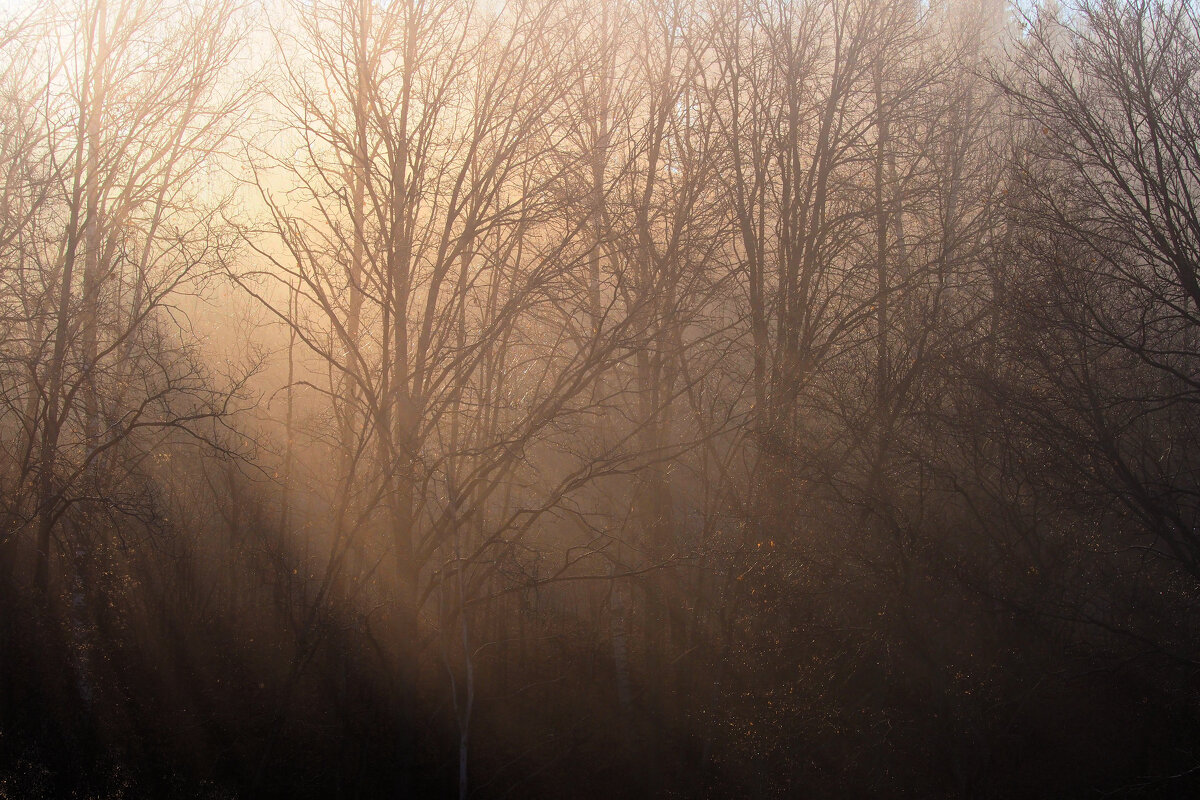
x=1108, y=178
x=423, y=212
x=126, y=235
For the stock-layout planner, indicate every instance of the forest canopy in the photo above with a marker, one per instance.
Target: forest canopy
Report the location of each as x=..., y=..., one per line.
x=599, y=398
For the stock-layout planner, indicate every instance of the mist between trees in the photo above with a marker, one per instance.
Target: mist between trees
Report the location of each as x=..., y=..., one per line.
x=632, y=398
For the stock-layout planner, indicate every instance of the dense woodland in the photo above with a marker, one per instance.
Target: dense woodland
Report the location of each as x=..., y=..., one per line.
x=599, y=398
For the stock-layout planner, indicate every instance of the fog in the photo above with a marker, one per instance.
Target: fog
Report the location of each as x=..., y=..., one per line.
x=632, y=398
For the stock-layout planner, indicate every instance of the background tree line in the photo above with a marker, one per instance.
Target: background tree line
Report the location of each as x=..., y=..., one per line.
x=644, y=398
